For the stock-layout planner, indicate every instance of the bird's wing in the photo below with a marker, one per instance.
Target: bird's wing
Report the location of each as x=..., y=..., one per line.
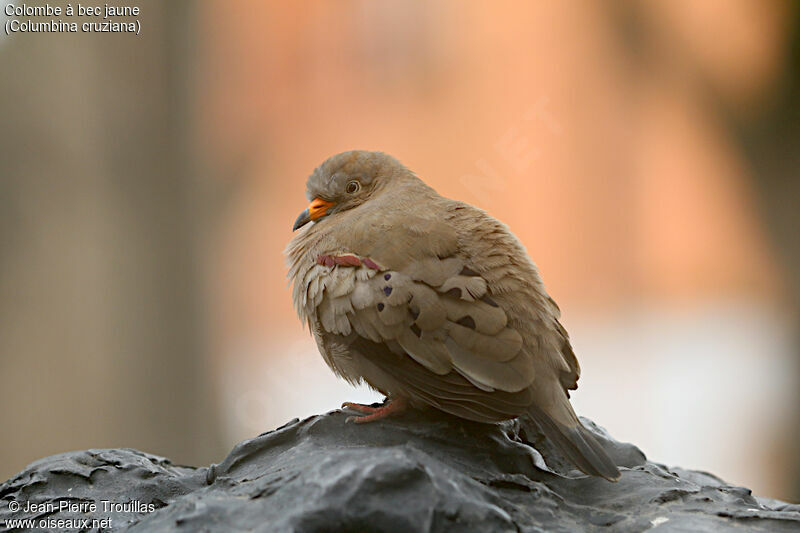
x=410, y=293
x=514, y=281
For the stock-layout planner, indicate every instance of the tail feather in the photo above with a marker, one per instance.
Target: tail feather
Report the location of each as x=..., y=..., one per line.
x=579, y=446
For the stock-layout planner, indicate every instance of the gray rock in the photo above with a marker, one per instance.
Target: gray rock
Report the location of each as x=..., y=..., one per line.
x=416, y=472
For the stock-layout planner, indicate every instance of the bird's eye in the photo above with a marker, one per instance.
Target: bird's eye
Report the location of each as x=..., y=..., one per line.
x=353, y=187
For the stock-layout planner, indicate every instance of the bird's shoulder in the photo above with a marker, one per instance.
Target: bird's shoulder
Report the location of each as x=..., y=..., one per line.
x=491, y=249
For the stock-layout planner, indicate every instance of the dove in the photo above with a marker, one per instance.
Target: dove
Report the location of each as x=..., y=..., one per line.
x=433, y=303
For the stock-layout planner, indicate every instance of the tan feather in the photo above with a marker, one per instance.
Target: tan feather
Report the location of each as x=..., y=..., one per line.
x=364, y=295
x=430, y=353
x=392, y=315
x=332, y=315
x=500, y=347
x=488, y=372
x=486, y=319
x=434, y=271
x=342, y=282
x=469, y=288
x=426, y=305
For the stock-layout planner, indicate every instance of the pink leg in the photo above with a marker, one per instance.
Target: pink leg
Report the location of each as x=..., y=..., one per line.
x=333, y=260
x=347, y=260
x=371, y=414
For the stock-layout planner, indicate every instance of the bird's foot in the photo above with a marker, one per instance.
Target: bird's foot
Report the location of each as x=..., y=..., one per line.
x=347, y=260
x=371, y=414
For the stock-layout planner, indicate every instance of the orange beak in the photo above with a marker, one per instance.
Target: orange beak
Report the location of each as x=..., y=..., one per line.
x=317, y=209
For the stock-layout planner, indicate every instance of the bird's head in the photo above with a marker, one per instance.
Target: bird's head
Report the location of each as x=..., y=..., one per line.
x=347, y=180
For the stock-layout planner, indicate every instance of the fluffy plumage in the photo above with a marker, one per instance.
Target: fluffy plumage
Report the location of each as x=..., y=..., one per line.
x=434, y=301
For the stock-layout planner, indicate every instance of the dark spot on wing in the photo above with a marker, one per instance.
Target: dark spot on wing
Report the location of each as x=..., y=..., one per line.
x=489, y=301
x=414, y=312
x=455, y=292
x=416, y=330
x=380, y=307
x=387, y=290
x=467, y=322
x=387, y=277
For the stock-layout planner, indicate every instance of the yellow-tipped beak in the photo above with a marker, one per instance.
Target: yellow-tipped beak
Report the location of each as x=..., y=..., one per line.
x=317, y=209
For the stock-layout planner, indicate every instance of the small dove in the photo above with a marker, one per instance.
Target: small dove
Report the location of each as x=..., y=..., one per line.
x=433, y=303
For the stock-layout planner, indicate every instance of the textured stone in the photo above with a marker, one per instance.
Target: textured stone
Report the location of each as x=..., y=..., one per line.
x=416, y=472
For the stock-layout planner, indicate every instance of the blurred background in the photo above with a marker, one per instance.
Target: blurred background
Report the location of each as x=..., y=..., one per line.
x=646, y=153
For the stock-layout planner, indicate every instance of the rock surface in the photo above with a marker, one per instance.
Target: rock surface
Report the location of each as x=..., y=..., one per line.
x=416, y=472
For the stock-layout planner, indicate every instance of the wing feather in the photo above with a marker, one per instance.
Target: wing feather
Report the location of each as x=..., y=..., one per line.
x=447, y=328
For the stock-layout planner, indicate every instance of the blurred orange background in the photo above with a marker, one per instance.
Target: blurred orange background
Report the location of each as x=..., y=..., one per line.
x=629, y=145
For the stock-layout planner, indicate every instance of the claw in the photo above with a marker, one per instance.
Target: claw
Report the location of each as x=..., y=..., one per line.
x=371, y=414
x=361, y=408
